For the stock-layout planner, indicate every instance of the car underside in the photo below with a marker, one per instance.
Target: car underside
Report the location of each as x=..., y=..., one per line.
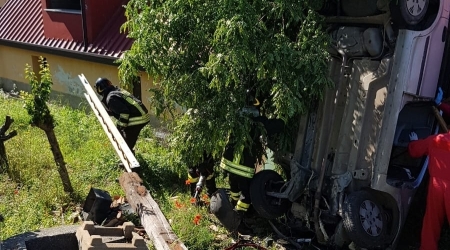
x=351, y=178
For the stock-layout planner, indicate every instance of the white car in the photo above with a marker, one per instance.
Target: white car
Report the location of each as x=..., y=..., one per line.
x=351, y=178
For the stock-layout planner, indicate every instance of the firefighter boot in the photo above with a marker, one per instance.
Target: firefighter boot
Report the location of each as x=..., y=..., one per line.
x=243, y=228
x=210, y=186
x=241, y=208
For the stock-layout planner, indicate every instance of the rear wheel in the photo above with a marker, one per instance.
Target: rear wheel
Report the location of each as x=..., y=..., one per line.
x=413, y=12
x=267, y=206
x=365, y=219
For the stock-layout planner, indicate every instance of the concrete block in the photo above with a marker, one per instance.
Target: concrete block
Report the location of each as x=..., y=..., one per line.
x=92, y=237
x=128, y=228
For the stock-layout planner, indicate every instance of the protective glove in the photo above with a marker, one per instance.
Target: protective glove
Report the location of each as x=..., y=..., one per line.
x=413, y=136
x=439, y=95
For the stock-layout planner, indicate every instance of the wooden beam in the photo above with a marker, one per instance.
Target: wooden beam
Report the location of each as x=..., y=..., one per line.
x=123, y=151
x=152, y=219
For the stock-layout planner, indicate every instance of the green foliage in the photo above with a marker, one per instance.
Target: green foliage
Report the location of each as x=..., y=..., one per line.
x=36, y=102
x=30, y=200
x=207, y=54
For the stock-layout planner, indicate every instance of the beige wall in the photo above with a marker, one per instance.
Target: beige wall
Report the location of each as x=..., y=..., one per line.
x=64, y=71
x=2, y=2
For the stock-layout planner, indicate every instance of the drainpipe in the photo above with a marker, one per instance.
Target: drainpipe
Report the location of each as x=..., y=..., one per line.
x=83, y=24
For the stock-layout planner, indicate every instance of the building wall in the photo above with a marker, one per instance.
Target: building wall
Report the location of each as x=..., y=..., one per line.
x=98, y=13
x=2, y=2
x=69, y=25
x=66, y=85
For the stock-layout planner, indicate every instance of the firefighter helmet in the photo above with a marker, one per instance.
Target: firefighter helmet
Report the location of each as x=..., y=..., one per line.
x=252, y=100
x=101, y=84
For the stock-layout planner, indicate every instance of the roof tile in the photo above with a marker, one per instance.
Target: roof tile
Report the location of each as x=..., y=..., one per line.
x=22, y=21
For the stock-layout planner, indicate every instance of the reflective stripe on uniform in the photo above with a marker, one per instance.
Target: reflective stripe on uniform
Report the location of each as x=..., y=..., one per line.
x=123, y=120
x=242, y=206
x=139, y=120
x=235, y=196
x=193, y=179
x=237, y=169
x=133, y=102
x=144, y=118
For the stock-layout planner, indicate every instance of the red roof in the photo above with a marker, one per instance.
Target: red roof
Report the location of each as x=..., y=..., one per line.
x=21, y=21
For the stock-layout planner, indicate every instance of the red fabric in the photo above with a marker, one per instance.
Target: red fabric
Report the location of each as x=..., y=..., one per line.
x=438, y=207
x=437, y=147
x=445, y=107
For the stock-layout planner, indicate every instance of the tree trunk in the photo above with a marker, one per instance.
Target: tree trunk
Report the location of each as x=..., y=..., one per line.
x=4, y=165
x=59, y=159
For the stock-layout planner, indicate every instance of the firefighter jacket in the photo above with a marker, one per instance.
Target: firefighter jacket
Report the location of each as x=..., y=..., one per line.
x=437, y=147
x=127, y=109
x=250, y=156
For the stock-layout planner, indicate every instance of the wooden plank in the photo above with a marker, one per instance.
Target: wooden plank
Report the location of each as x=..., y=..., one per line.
x=123, y=151
x=152, y=219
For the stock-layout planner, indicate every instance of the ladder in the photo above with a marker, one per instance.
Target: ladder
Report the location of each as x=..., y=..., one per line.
x=123, y=151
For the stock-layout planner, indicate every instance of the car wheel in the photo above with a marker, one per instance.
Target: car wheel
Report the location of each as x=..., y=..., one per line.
x=413, y=11
x=365, y=219
x=267, y=206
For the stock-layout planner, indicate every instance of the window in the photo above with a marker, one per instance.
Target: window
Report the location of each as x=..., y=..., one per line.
x=64, y=4
x=137, y=87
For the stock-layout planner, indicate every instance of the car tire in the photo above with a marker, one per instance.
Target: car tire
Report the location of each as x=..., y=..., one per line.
x=413, y=12
x=365, y=220
x=267, y=206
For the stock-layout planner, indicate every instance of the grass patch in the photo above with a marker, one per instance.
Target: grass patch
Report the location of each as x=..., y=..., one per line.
x=32, y=195
x=31, y=192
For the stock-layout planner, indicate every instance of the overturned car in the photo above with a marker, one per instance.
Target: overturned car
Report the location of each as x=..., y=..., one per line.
x=351, y=178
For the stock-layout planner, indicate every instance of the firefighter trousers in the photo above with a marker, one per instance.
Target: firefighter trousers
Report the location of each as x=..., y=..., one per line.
x=437, y=210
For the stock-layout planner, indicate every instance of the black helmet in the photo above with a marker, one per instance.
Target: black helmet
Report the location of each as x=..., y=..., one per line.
x=251, y=98
x=101, y=84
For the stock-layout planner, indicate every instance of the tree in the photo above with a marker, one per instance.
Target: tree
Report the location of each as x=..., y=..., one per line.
x=4, y=165
x=36, y=106
x=208, y=54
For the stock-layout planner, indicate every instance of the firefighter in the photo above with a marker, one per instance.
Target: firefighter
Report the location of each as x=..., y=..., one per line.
x=241, y=170
x=131, y=115
x=204, y=169
x=437, y=148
